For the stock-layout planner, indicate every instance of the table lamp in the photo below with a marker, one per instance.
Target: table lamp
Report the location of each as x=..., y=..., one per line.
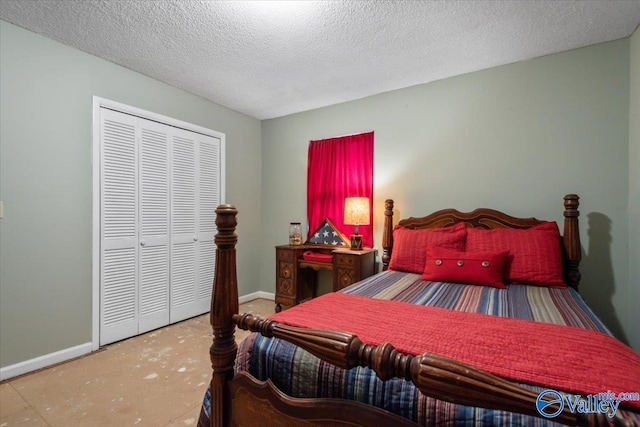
x=356, y=212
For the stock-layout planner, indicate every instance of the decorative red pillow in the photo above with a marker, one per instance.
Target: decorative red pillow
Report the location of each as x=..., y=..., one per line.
x=473, y=268
x=410, y=246
x=535, y=253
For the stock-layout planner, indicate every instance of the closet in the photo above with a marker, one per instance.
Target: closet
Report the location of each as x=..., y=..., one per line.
x=159, y=187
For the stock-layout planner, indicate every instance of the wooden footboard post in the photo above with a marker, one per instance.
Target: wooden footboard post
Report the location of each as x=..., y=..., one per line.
x=224, y=304
x=387, y=234
x=571, y=240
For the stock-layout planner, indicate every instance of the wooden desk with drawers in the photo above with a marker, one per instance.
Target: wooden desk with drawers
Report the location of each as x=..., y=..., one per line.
x=296, y=278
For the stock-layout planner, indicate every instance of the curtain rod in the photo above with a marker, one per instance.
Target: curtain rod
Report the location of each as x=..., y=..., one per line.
x=342, y=136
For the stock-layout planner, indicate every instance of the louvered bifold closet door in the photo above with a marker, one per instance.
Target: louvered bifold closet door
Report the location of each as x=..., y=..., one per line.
x=153, y=274
x=183, y=225
x=195, y=194
x=118, y=236
x=209, y=197
x=159, y=188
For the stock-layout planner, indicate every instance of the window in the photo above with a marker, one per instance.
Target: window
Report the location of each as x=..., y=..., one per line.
x=338, y=168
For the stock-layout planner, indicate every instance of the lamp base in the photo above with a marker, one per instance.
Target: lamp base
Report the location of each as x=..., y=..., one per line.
x=356, y=242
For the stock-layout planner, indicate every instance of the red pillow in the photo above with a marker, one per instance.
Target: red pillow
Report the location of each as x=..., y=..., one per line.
x=473, y=268
x=535, y=253
x=410, y=246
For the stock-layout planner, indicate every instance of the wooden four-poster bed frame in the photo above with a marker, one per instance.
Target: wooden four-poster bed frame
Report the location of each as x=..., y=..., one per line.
x=239, y=399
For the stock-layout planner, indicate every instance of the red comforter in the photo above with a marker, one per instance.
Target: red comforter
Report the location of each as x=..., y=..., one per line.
x=559, y=357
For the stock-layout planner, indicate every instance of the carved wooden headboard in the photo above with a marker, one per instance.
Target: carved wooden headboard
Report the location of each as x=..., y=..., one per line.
x=491, y=219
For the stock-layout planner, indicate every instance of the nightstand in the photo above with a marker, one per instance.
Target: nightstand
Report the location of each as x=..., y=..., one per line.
x=296, y=278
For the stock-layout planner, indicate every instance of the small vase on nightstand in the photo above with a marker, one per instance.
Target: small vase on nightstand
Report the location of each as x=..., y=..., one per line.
x=295, y=234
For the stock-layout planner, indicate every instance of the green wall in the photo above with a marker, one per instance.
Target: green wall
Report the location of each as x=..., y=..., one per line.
x=46, y=184
x=516, y=138
x=634, y=190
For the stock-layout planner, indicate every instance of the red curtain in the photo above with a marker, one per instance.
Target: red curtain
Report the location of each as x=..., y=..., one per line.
x=339, y=168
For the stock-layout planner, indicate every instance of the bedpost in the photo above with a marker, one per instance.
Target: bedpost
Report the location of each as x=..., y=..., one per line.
x=387, y=234
x=224, y=304
x=571, y=240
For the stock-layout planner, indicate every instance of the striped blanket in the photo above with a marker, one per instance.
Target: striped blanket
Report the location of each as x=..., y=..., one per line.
x=300, y=374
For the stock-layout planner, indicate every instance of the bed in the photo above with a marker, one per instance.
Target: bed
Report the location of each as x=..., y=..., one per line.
x=425, y=347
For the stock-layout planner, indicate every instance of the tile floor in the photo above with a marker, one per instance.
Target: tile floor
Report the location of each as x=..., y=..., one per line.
x=156, y=379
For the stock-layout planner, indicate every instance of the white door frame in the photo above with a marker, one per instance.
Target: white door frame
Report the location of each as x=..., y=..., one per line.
x=95, y=248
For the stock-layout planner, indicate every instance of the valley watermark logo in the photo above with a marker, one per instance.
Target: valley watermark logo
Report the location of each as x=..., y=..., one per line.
x=551, y=403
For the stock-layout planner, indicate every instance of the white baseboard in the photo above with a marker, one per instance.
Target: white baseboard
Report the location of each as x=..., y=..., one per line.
x=256, y=295
x=80, y=350
x=44, y=361
x=31, y=365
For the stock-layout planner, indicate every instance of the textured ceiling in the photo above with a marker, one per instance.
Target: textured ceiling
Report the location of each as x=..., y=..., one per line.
x=268, y=58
